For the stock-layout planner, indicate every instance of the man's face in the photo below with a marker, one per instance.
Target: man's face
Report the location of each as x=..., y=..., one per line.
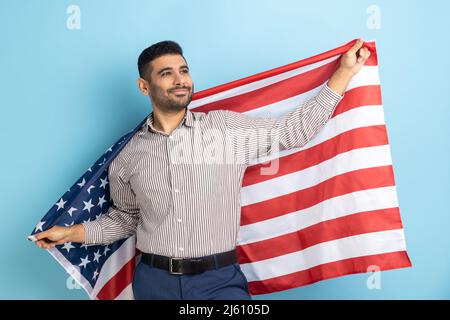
x=170, y=83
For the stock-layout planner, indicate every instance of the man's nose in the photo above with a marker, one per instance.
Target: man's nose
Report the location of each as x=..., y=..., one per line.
x=177, y=78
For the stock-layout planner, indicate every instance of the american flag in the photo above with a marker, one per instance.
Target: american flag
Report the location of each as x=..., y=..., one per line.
x=330, y=210
x=104, y=272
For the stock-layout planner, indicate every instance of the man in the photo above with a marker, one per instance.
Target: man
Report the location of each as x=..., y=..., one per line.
x=176, y=184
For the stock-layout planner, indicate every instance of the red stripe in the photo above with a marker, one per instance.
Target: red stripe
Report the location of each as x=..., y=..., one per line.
x=347, y=226
x=345, y=183
x=275, y=92
x=358, y=97
x=384, y=261
x=353, y=139
x=372, y=61
x=119, y=281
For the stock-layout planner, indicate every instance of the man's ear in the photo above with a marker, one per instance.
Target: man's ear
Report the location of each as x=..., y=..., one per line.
x=144, y=86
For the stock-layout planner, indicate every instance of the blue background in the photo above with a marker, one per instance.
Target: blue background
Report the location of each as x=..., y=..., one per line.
x=67, y=95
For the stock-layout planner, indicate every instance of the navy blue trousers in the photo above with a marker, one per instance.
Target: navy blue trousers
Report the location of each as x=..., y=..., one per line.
x=224, y=283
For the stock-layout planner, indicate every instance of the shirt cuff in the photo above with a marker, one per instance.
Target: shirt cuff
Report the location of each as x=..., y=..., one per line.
x=93, y=233
x=328, y=98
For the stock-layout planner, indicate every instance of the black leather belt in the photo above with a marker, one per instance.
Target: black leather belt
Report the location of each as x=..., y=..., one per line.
x=189, y=265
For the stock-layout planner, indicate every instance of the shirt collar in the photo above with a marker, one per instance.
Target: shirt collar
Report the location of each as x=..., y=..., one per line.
x=188, y=120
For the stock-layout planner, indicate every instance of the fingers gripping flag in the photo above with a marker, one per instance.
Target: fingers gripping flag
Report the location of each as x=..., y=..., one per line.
x=330, y=209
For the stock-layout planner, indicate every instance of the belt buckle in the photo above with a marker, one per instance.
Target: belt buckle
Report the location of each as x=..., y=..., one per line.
x=171, y=266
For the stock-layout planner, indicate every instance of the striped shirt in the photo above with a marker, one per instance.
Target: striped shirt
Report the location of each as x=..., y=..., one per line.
x=180, y=192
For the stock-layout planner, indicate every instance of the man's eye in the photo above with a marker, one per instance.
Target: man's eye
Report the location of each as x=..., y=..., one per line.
x=185, y=71
x=165, y=73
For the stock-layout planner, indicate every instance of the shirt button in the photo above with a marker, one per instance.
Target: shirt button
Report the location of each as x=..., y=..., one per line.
x=181, y=249
x=176, y=190
x=179, y=220
x=171, y=137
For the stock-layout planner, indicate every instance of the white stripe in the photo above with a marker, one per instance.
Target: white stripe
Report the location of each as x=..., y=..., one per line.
x=258, y=84
x=326, y=252
x=115, y=262
x=367, y=76
x=337, y=207
x=360, y=117
x=342, y=163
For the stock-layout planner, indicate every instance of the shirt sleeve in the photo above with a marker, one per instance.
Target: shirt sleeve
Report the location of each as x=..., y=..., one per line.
x=254, y=137
x=123, y=214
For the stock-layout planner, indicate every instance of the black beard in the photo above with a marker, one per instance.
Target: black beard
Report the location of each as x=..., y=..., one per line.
x=169, y=105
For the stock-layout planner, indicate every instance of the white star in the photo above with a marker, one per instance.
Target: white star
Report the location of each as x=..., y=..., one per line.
x=97, y=255
x=39, y=226
x=68, y=225
x=101, y=201
x=84, y=262
x=88, y=220
x=61, y=204
x=68, y=246
x=84, y=245
x=88, y=205
x=106, y=250
x=104, y=183
x=98, y=216
x=95, y=274
x=82, y=183
x=89, y=189
x=110, y=148
x=89, y=169
x=71, y=210
x=103, y=162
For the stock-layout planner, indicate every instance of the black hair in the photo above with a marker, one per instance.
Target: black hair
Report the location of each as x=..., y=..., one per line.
x=154, y=51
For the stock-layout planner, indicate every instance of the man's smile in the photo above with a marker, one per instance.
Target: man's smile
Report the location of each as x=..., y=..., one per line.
x=180, y=92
